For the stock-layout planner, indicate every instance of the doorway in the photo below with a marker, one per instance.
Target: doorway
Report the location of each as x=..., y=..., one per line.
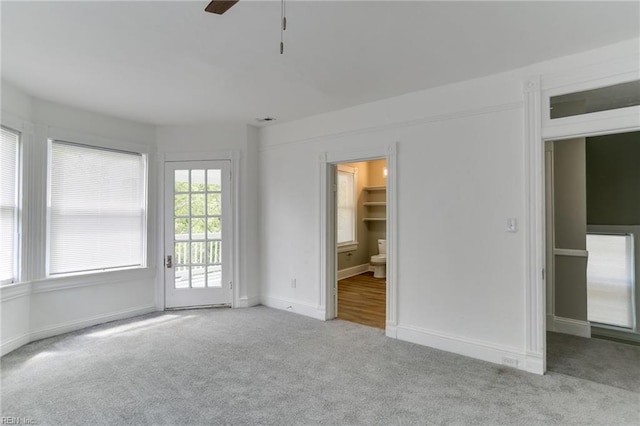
x=328, y=230
x=198, y=239
x=593, y=217
x=593, y=228
x=361, y=245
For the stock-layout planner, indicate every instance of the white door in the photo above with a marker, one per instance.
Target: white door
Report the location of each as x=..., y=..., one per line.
x=197, y=234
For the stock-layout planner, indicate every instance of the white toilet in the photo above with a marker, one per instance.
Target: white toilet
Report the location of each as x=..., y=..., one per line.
x=379, y=261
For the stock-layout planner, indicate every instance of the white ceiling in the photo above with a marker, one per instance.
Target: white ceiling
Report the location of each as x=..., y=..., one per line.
x=172, y=63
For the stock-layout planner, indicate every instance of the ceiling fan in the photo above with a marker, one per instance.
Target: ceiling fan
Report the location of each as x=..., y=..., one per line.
x=220, y=6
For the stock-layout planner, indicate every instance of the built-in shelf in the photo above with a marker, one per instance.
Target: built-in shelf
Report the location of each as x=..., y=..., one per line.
x=380, y=191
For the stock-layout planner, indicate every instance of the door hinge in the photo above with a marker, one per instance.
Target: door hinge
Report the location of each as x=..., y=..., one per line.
x=543, y=273
x=230, y=285
x=335, y=187
x=169, y=262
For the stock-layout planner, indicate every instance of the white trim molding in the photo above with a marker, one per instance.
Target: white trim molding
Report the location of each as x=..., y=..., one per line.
x=234, y=157
x=247, y=302
x=538, y=129
x=67, y=282
x=68, y=135
x=434, y=118
x=569, y=326
x=18, y=341
x=14, y=343
x=485, y=351
x=328, y=273
x=43, y=333
x=570, y=252
x=15, y=291
x=592, y=124
x=306, y=309
x=535, y=299
x=353, y=271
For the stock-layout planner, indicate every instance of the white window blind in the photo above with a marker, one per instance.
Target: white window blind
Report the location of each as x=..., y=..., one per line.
x=346, y=227
x=610, y=279
x=97, y=209
x=9, y=169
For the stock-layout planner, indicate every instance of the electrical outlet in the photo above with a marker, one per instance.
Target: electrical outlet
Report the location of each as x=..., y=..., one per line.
x=510, y=362
x=293, y=283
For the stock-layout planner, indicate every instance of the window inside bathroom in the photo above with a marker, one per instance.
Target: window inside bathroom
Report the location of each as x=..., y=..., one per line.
x=346, y=206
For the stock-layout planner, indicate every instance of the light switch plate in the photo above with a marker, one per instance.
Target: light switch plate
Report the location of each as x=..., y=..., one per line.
x=512, y=224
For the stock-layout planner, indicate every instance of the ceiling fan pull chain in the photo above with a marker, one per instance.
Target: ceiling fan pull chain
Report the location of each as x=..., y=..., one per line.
x=283, y=22
x=284, y=15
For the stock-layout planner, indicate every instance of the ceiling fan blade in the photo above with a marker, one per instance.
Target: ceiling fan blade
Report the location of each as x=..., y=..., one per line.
x=220, y=6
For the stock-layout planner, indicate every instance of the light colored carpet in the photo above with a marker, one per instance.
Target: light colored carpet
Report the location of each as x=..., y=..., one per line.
x=602, y=361
x=264, y=366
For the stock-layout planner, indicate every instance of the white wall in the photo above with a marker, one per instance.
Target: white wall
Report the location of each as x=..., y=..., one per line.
x=461, y=160
x=459, y=179
x=218, y=139
x=39, y=307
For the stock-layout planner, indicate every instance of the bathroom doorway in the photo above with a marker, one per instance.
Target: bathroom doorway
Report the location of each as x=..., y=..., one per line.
x=361, y=242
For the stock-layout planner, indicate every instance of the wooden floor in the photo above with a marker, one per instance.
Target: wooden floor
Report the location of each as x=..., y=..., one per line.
x=363, y=299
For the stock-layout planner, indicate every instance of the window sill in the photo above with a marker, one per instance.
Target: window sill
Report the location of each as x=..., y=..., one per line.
x=26, y=288
x=345, y=247
x=14, y=290
x=60, y=282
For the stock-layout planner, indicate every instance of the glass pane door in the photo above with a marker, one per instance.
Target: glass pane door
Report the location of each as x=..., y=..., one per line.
x=197, y=233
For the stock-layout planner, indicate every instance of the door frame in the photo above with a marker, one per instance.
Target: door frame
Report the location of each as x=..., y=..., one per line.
x=328, y=250
x=233, y=156
x=539, y=128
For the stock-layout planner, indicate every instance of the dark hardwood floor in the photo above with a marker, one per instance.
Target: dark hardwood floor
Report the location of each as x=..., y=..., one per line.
x=363, y=299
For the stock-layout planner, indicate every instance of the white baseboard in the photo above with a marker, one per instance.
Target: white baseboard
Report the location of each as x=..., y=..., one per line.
x=484, y=351
x=535, y=363
x=67, y=327
x=569, y=326
x=551, y=326
x=391, y=331
x=18, y=341
x=14, y=343
x=289, y=305
x=246, y=302
x=353, y=271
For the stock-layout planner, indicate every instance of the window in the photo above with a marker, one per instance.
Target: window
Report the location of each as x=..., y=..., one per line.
x=610, y=276
x=621, y=95
x=9, y=208
x=96, y=209
x=347, y=210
